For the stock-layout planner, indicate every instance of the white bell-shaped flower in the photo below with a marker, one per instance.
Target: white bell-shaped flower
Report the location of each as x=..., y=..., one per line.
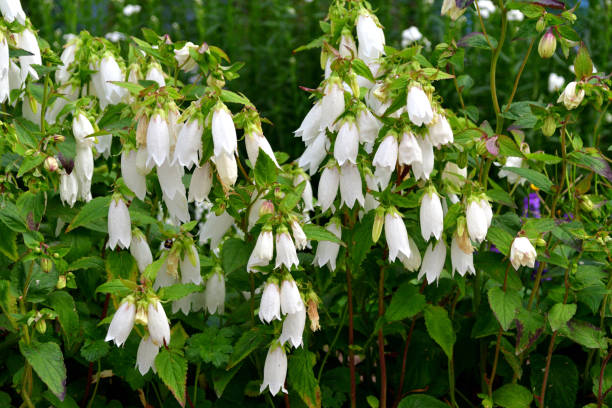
x=145, y=356
x=368, y=127
x=410, y=35
x=307, y=193
x=254, y=141
x=119, y=224
x=275, y=370
x=134, y=179
x=263, y=252
x=555, y=82
x=385, y=160
x=476, y=218
x=83, y=170
x=298, y=235
x=201, y=183
x=81, y=128
x=188, y=147
x=347, y=143
x=12, y=10
x=223, y=132
x=5, y=87
x=422, y=170
x=69, y=188
x=454, y=175
x=431, y=215
x=412, y=262
x=418, y=106
x=512, y=161
x=314, y=153
x=290, y=298
x=158, y=140
x=177, y=207
x=159, y=329
x=269, y=307
x=293, y=328
x=350, y=185
x=522, y=253
x=183, y=58
x=285, y=250
x=190, y=266
x=155, y=74
x=309, y=129
x=462, y=262
x=327, y=251
x=103, y=144
x=227, y=168
x=571, y=97
x=332, y=104
x=215, y=293
x=396, y=236
x=170, y=179
x=433, y=262
x=409, y=150
x=62, y=75
x=347, y=48
x=122, y=323
x=26, y=40
x=215, y=228
x=370, y=36
x=440, y=132
x=328, y=187
x=163, y=279
x=139, y=248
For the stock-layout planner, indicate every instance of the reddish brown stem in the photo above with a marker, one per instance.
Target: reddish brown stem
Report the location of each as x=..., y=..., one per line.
x=351, y=339
x=398, y=394
x=90, y=368
x=601, y=375
x=381, y=341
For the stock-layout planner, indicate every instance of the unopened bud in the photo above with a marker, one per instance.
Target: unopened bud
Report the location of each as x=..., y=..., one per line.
x=586, y=204
x=548, y=44
x=540, y=242
x=266, y=208
x=462, y=160
x=215, y=82
x=549, y=126
x=540, y=25
x=61, y=282
x=481, y=147
x=141, y=130
x=46, y=265
x=379, y=221
x=313, y=315
x=51, y=164
x=41, y=326
x=569, y=16
x=58, y=138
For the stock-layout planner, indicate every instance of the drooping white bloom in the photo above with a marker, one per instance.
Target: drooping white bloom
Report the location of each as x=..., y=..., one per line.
x=462, y=262
x=314, y=153
x=4, y=70
x=184, y=60
x=440, y=132
x=571, y=97
x=170, y=179
x=285, y=251
x=385, y=160
x=223, y=132
x=190, y=266
x=69, y=188
x=477, y=220
x=107, y=71
x=215, y=228
x=307, y=193
x=347, y=143
x=159, y=329
x=188, y=147
x=26, y=40
x=347, y=47
x=298, y=235
x=433, y=261
x=410, y=35
x=177, y=207
x=350, y=185
x=81, y=128
x=454, y=175
x=201, y=183
x=122, y=323
x=418, y=106
x=431, y=216
x=413, y=261
x=215, y=293
x=555, y=82
x=275, y=370
x=396, y=236
x=12, y=10
x=65, y=94
x=512, y=161
x=163, y=279
x=155, y=74
x=371, y=38
x=83, y=170
x=119, y=225
x=269, y=307
x=158, y=140
x=62, y=75
x=515, y=15
x=522, y=253
x=290, y=298
x=103, y=144
x=327, y=251
x=293, y=328
x=371, y=202
x=139, y=248
x=332, y=104
x=422, y=170
x=309, y=129
x=368, y=127
x=409, y=150
x=134, y=179
x=145, y=356
x=328, y=187
x=254, y=141
x=227, y=168
x=257, y=207
x=263, y=252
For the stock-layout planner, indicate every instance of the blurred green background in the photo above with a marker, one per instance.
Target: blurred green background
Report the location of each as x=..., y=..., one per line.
x=263, y=34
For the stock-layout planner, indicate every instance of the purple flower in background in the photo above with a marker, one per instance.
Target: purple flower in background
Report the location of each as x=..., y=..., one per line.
x=531, y=205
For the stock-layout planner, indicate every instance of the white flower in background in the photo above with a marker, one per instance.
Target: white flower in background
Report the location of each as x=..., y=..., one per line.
x=145, y=356
x=368, y=127
x=122, y=323
x=347, y=143
x=119, y=224
x=254, y=141
x=327, y=251
x=418, y=106
x=83, y=170
x=159, y=329
x=522, y=253
x=4, y=69
x=454, y=175
x=371, y=38
x=307, y=193
x=108, y=70
x=263, y=252
x=486, y=8
x=478, y=221
x=81, y=128
x=14, y=77
x=410, y=35
x=396, y=236
x=223, y=131
x=328, y=187
x=66, y=94
x=433, y=262
x=409, y=150
x=293, y=328
x=130, y=9
x=512, y=161
x=298, y=235
x=332, y=104
x=462, y=262
x=290, y=298
x=515, y=15
x=163, y=279
x=62, y=75
x=350, y=185
x=347, y=47
x=314, y=154
x=134, y=179
x=285, y=250
x=258, y=207
x=201, y=183
x=188, y=147
x=158, y=140
x=139, y=248
x=170, y=179
x=184, y=60
x=269, y=307
x=12, y=10
x=215, y=228
x=440, y=132
x=431, y=215
x=215, y=293
x=571, y=97
x=422, y=170
x=155, y=74
x=30, y=109
x=103, y=144
x=114, y=36
x=275, y=370
x=449, y=7
x=177, y=207
x=385, y=160
x=26, y=40
x=555, y=82
x=69, y=188
x=190, y=266
x=413, y=261
x=309, y=129
x=227, y=168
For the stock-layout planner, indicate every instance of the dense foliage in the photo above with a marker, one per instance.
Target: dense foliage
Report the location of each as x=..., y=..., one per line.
x=437, y=234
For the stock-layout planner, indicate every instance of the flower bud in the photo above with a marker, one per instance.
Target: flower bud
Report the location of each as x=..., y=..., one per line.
x=46, y=265
x=41, y=326
x=379, y=221
x=51, y=164
x=59, y=138
x=547, y=45
x=586, y=204
x=549, y=126
x=313, y=315
x=540, y=242
x=61, y=282
x=540, y=25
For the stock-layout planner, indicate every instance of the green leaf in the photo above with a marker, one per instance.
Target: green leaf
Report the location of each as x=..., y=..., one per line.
x=48, y=362
x=421, y=401
x=8, y=243
x=64, y=306
x=534, y=177
x=94, y=210
x=301, y=377
x=213, y=345
x=265, y=170
x=87, y=262
x=221, y=378
x=440, y=328
x=583, y=66
x=500, y=238
x=502, y=197
x=94, y=350
x=544, y=158
x=114, y=287
x=233, y=97
x=596, y=163
x=361, y=240
x=406, y=302
x=9, y=216
x=585, y=334
x=30, y=163
x=246, y=344
x=151, y=270
x=560, y=314
x=172, y=369
x=317, y=233
x=434, y=74
x=562, y=384
x=235, y=254
x=178, y=291
x=505, y=305
x=362, y=69
x=512, y=396
x=478, y=40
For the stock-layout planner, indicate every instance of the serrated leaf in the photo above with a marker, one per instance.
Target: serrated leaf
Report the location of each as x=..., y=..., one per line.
x=9, y=216
x=233, y=97
x=406, y=303
x=583, y=66
x=536, y=178
x=560, y=314
x=435, y=74
x=178, y=291
x=500, y=238
x=362, y=69
x=266, y=171
x=94, y=350
x=301, y=377
x=477, y=40
x=585, y=334
x=544, y=158
x=87, y=262
x=172, y=369
x=94, y=210
x=114, y=287
x=512, y=396
x=246, y=344
x=505, y=305
x=440, y=328
x=8, y=243
x=30, y=163
x=64, y=306
x=213, y=346
x=595, y=163
x=48, y=362
x=317, y=233
x=562, y=384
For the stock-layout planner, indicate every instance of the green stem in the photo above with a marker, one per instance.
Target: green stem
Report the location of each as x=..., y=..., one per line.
x=518, y=76
x=333, y=343
x=95, y=391
x=504, y=21
x=195, y=385
x=451, y=382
